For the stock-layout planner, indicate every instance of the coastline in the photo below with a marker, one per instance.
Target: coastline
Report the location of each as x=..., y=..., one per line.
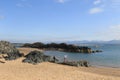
x=27, y=50
x=103, y=66
x=16, y=70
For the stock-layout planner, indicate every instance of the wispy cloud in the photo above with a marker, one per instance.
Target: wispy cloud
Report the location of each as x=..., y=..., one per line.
x=23, y=0
x=98, y=7
x=96, y=10
x=112, y=32
x=96, y=2
x=20, y=5
x=62, y=1
x=115, y=29
x=23, y=3
x=115, y=3
x=111, y=4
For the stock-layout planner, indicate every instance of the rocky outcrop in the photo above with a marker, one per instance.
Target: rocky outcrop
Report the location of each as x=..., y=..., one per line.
x=35, y=57
x=82, y=63
x=10, y=50
x=61, y=47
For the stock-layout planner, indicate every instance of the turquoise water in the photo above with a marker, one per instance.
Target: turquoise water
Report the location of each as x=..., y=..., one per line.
x=110, y=57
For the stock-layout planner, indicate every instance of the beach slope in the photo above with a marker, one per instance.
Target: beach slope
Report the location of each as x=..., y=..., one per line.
x=16, y=70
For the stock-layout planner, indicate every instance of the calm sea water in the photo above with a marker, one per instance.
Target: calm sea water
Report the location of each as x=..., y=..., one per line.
x=110, y=57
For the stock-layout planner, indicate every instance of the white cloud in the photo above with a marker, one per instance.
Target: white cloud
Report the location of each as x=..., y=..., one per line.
x=61, y=1
x=96, y=2
x=100, y=7
x=96, y=10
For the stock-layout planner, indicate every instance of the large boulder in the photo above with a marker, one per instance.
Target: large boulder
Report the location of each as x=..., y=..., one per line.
x=10, y=50
x=35, y=57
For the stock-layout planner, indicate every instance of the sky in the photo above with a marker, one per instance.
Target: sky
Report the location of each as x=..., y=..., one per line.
x=59, y=20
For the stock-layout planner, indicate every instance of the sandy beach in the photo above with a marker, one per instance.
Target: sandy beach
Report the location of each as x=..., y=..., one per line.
x=16, y=70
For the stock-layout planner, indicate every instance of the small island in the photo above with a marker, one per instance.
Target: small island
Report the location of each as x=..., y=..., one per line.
x=61, y=47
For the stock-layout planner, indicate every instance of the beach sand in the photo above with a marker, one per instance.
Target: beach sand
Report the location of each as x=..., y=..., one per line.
x=16, y=70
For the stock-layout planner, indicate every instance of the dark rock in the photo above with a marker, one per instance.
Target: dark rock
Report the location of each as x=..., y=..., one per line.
x=46, y=58
x=61, y=47
x=85, y=50
x=93, y=51
x=77, y=63
x=54, y=60
x=98, y=51
x=35, y=57
x=10, y=50
x=38, y=45
x=83, y=63
x=27, y=45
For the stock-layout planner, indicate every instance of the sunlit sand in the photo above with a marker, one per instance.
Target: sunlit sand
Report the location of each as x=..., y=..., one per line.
x=16, y=70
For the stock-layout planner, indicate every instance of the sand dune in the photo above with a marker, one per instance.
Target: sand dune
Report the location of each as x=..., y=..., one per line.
x=16, y=70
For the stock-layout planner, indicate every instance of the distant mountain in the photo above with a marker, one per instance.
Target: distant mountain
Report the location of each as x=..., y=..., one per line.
x=84, y=42
x=77, y=42
x=94, y=42
x=114, y=42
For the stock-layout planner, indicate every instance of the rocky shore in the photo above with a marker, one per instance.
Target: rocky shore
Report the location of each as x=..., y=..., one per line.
x=17, y=70
x=9, y=50
x=61, y=47
x=33, y=57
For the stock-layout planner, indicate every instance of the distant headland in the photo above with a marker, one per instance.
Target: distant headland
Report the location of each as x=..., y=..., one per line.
x=61, y=47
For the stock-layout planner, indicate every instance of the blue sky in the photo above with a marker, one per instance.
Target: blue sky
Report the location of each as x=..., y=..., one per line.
x=59, y=20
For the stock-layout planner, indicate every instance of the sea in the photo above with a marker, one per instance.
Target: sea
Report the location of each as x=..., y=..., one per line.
x=110, y=57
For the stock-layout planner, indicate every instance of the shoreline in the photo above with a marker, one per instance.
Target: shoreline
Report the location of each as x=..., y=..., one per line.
x=103, y=66
x=16, y=70
x=27, y=50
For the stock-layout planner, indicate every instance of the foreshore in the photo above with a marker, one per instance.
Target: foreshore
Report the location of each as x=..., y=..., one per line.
x=16, y=70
